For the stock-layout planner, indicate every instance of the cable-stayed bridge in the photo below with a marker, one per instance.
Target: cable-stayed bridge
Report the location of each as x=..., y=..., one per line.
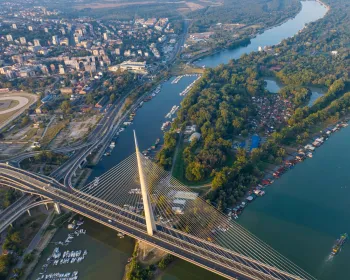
x=139, y=199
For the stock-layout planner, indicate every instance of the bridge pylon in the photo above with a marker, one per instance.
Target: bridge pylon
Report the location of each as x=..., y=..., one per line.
x=150, y=223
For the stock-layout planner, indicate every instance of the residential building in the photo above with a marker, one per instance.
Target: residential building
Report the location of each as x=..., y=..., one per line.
x=37, y=43
x=61, y=70
x=55, y=40
x=64, y=42
x=23, y=40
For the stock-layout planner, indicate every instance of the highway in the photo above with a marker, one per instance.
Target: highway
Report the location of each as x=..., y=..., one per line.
x=21, y=206
x=200, y=252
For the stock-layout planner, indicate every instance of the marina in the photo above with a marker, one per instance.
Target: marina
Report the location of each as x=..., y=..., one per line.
x=106, y=254
x=59, y=258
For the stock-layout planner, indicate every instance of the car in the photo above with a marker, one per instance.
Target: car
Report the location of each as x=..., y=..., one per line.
x=109, y=221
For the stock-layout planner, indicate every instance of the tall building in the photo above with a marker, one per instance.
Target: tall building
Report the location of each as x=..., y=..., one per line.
x=105, y=36
x=37, y=42
x=46, y=30
x=14, y=25
x=9, y=38
x=23, y=40
x=55, y=40
x=30, y=28
x=117, y=51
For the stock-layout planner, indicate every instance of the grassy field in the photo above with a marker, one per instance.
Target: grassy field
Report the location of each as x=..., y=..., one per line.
x=182, y=69
x=12, y=104
x=31, y=133
x=52, y=132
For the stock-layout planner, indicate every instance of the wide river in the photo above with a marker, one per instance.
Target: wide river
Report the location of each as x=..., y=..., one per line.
x=309, y=202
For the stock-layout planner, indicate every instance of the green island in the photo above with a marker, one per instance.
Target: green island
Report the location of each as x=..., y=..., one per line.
x=230, y=103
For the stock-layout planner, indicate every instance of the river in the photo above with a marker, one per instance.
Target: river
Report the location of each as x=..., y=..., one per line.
x=107, y=254
x=306, y=210
x=147, y=124
x=310, y=11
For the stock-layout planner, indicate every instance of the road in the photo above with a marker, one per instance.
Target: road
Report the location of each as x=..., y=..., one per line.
x=200, y=252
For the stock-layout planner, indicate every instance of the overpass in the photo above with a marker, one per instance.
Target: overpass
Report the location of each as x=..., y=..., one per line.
x=11, y=214
x=137, y=199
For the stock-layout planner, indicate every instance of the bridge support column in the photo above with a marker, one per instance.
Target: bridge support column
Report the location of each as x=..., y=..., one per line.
x=57, y=208
x=81, y=165
x=150, y=223
x=30, y=214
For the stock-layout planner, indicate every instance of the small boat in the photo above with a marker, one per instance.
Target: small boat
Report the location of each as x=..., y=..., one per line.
x=339, y=243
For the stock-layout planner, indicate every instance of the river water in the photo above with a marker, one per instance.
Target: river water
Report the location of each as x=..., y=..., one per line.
x=307, y=209
x=274, y=85
x=106, y=258
x=310, y=11
x=276, y=218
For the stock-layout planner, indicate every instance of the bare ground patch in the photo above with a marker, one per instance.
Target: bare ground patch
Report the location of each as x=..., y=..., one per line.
x=194, y=6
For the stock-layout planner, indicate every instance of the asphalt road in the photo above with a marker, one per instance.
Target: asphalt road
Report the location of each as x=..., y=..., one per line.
x=190, y=248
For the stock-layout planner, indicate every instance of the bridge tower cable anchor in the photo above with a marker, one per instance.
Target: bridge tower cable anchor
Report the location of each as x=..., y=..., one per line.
x=150, y=222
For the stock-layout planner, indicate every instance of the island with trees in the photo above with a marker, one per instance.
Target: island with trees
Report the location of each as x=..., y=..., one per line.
x=229, y=104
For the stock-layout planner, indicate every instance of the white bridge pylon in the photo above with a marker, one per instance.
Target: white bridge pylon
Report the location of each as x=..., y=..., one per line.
x=150, y=223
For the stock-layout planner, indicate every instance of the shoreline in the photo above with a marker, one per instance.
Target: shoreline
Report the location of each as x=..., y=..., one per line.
x=218, y=50
x=300, y=155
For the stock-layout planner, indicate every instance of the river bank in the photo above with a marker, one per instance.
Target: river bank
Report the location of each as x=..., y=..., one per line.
x=306, y=211
x=310, y=12
x=147, y=123
x=274, y=85
x=242, y=42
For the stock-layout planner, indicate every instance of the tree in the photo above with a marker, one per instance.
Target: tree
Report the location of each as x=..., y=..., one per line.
x=28, y=258
x=25, y=121
x=195, y=171
x=112, y=98
x=65, y=107
x=5, y=262
x=90, y=99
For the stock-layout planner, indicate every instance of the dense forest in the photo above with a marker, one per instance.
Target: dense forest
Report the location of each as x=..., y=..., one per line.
x=262, y=12
x=222, y=108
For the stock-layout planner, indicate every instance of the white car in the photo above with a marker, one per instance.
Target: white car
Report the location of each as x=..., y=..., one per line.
x=110, y=221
